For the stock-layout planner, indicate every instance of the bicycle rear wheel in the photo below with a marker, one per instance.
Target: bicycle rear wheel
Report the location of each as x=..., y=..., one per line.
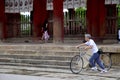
x=106, y=60
x=76, y=64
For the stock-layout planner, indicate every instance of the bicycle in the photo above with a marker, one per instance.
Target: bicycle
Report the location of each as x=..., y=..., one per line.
x=77, y=62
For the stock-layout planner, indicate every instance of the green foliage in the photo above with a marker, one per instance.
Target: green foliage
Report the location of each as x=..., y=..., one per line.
x=80, y=9
x=25, y=24
x=81, y=15
x=118, y=20
x=25, y=18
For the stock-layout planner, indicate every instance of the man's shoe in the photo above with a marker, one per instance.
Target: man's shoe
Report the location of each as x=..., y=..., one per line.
x=103, y=71
x=94, y=68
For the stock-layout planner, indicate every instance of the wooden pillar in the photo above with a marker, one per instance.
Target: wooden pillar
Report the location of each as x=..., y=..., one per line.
x=102, y=18
x=89, y=17
x=2, y=20
x=96, y=14
x=50, y=22
x=92, y=17
x=39, y=16
x=58, y=28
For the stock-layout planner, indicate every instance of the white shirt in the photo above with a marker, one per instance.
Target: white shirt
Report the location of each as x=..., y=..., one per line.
x=119, y=34
x=94, y=46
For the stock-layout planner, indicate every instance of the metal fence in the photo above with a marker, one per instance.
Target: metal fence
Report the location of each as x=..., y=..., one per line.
x=18, y=25
x=111, y=19
x=75, y=24
x=111, y=25
x=25, y=26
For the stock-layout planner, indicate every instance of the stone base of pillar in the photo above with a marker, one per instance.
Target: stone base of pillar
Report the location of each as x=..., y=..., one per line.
x=58, y=41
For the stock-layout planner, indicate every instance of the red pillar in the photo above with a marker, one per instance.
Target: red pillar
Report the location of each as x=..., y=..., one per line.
x=39, y=16
x=2, y=20
x=102, y=18
x=92, y=17
x=58, y=28
x=96, y=13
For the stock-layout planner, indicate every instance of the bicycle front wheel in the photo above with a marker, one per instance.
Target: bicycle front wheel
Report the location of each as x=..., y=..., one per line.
x=76, y=64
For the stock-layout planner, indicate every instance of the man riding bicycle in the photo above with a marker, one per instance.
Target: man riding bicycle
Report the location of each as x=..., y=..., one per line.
x=95, y=58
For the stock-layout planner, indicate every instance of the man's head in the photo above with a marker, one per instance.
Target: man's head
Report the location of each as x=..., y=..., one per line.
x=87, y=37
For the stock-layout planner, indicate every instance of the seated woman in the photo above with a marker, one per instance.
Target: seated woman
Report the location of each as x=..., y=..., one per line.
x=45, y=35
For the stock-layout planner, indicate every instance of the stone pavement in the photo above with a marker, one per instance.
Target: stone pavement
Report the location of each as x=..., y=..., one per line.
x=68, y=77
x=14, y=74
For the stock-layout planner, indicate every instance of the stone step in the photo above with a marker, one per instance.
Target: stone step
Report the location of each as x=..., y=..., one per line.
x=25, y=40
x=40, y=53
x=30, y=39
x=38, y=69
x=43, y=56
x=36, y=61
x=58, y=58
x=37, y=47
x=73, y=41
x=34, y=66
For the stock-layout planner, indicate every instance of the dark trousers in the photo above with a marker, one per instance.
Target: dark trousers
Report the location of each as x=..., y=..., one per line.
x=95, y=58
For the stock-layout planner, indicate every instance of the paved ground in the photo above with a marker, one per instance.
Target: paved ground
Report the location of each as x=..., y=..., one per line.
x=12, y=74
x=21, y=77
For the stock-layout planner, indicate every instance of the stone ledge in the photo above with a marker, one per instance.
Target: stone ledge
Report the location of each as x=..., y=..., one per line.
x=110, y=48
x=113, y=48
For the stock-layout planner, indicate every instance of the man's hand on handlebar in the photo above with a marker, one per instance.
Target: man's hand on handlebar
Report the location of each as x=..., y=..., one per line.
x=77, y=46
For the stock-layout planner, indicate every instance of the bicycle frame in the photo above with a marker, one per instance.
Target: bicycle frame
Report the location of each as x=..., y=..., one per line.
x=83, y=53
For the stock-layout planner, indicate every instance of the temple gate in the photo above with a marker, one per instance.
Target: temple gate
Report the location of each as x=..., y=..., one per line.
x=101, y=19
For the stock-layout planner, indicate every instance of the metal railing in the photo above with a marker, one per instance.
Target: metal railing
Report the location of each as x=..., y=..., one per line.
x=74, y=24
x=25, y=26
x=19, y=26
x=111, y=25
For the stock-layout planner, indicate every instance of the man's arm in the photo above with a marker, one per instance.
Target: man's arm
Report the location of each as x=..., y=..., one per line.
x=88, y=47
x=81, y=45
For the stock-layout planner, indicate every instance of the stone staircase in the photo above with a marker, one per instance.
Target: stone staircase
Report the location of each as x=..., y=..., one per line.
x=35, y=55
x=70, y=40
